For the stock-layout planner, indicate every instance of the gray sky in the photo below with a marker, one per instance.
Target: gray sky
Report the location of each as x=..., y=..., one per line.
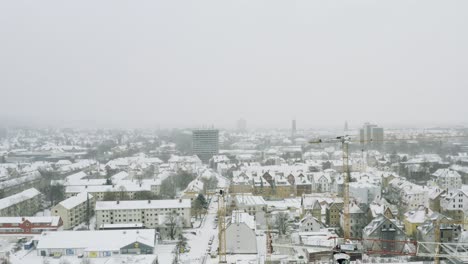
x=193, y=63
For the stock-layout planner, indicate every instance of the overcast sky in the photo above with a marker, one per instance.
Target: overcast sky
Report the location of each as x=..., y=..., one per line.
x=195, y=63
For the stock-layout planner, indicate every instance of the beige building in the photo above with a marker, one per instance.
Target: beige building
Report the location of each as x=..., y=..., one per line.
x=125, y=187
x=73, y=210
x=151, y=213
x=25, y=203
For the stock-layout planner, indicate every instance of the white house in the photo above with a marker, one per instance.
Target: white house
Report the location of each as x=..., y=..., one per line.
x=447, y=179
x=321, y=182
x=309, y=224
x=240, y=234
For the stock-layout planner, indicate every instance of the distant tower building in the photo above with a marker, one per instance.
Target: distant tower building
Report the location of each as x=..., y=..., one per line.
x=371, y=135
x=241, y=125
x=205, y=143
x=293, y=129
x=346, y=126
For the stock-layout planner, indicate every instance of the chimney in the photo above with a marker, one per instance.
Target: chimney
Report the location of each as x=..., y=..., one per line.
x=149, y=201
x=427, y=211
x=180, y=200
x=118, y=201
x=86, y=186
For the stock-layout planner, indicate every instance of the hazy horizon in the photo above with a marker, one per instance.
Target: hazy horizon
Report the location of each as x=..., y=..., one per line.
x=193, y=64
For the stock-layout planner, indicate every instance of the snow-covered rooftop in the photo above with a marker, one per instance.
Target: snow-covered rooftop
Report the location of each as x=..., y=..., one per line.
x=18, y=198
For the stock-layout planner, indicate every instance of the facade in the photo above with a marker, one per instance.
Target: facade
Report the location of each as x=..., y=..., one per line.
x=321, y=182
x=371, y=135
x=74, y=210
x=454, y=204
x=151, y=213
x=124, y=188
x=311, y=204
x=205, y=143
x=25, y=203
x=96, y=244
x=357, y=220
x=333, y=214
x=447, y=179
x=309, y=224
x=240, y=234
x=449, y=233
x=16, y=185
x=29, y=225
x=249, y=203
x=386, y=230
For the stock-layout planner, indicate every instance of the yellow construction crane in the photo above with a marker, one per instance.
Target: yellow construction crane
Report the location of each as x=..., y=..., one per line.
x=222, y=227
x=344, y=140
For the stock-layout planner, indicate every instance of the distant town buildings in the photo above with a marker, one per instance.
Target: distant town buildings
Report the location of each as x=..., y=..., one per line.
x=293, y=129
x=371, y=135
x=241, y=125
x=205, y=143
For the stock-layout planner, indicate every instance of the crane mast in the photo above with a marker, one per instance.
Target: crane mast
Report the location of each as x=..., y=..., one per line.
x=222, y=228
x=346, y=178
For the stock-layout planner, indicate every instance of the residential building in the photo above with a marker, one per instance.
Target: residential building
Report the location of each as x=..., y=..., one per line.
x=311, y=204
x=74, y=210
x=25, y=203
x=29, y=224
x=415, y=218
x=151, y=213
x=309, y=224
x=205, y=143
x=357, y=220
x=435, y=196
x=333, y=214
x=449, y=232
x=364, y=192
x=447, y=179
x=125, y=188
x=96, y=244
x=454, y=204
x=248, y=203
x=18, y=184
x=240, y=234
x=321, y=182
x=386, y=230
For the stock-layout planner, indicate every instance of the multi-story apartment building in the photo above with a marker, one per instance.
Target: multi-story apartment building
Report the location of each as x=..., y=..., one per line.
x=454, y=204
x=74, y=210
x=447, y=179
x=408, y=195
x=151, y=213
x=125, y=188
x=25, y=203
x=205, y=143
x=29, y=225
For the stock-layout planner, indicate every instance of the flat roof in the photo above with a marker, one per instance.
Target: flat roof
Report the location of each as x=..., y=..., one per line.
x=102, y=240
x=143, y=204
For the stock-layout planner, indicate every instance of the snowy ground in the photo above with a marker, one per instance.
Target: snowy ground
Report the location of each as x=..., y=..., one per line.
x=199, y=243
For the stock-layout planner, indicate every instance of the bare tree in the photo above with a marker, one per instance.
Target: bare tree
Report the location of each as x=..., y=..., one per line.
x=173, y=223
x=282, y=222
